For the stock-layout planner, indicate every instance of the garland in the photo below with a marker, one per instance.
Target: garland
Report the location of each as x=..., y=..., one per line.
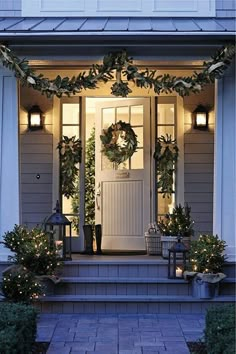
x=70, y=151
x=117, y=65
x=114, y=150
x=166, y=155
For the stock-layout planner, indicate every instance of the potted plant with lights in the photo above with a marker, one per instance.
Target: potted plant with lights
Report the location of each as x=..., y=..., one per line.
x=34, y=259
x=206, y=264
x=175, y=224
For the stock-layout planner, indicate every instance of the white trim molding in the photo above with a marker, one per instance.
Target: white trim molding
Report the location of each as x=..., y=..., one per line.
x=224, y=222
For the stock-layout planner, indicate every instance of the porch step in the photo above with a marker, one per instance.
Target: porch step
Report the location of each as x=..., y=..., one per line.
x=127, y=304
x=121, y=286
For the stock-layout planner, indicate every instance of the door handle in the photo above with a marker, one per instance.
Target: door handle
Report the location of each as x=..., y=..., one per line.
x=98, y=194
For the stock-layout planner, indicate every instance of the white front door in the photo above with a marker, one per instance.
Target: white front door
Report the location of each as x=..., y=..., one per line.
x=123, y=192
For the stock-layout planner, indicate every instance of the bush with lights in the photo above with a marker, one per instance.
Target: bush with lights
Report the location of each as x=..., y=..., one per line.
x=207, y=254
x=34, y=259
x=177, y=223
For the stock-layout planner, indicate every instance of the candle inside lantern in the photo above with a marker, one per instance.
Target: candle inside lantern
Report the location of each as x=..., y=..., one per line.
x=178, y=272
x=59, y=248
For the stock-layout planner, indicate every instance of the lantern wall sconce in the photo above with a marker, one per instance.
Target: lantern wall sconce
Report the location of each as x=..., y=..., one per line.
x=200, y=118
x=35, y=118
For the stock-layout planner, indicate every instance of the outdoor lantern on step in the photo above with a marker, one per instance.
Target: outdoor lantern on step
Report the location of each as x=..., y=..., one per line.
x=177, y=253
x=57, y=224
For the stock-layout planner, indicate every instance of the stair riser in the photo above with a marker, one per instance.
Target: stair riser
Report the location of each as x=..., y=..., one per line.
x=115, y=270
x=122, y=289
x=128, y=308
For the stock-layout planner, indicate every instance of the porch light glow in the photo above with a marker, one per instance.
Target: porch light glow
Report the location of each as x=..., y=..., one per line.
x=35, y=118
x=200, y=118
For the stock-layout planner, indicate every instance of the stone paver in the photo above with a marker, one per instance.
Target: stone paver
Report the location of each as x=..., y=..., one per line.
x=119, y=334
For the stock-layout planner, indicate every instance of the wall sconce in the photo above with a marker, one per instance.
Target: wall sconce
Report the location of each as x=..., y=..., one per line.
x=35, y=118
x=200, y=118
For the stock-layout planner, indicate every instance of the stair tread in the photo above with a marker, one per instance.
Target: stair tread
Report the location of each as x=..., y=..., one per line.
x=120, y=280
x=132, y=298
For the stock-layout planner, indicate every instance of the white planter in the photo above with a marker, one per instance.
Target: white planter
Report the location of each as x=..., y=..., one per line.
x=169, y=241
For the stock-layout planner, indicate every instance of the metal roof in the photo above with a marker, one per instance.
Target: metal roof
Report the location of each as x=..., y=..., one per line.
x=112, y=26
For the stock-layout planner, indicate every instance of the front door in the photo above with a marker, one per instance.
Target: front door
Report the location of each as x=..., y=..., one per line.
x=123, y=192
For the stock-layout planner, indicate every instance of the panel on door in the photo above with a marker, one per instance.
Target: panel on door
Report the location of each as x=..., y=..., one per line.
x=123, y=191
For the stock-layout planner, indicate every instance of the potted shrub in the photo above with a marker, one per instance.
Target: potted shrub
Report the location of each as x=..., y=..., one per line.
x=34, y=259
x=177, y=223
x=206, y=263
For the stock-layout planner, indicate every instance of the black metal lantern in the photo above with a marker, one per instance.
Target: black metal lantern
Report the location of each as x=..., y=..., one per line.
x=200, y=118
x=35, y=118
x=177, y=253
x=59, y=220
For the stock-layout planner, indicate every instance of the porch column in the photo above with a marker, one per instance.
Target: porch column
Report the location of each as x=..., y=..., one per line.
x=225, y=162
x=9, y=165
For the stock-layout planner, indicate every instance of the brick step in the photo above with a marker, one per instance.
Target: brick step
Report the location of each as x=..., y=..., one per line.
x=127, y=304
x=122, y=286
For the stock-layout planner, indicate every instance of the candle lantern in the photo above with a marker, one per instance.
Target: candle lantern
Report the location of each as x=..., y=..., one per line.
x=178, y=252
x=58, y=224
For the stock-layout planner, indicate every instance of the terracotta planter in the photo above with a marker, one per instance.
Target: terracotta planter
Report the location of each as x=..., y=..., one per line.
x=169, y=241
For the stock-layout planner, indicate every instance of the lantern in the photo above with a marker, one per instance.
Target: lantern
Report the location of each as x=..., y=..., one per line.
x=178, y=252
x=200, y=118
x=59, y=221
x=35, y=118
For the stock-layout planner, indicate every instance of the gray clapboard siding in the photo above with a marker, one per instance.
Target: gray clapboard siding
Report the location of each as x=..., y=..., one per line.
x=36, y=148
x=201, y=207
x=199, y=138
x=198, y=187
x=36, y=198
x=198, y=168
x=37, y=218
x=199, y=148
x=192, y=198
x=33, y=178
x=198, y=158
x=36, y=158
x=36, y=207
x=10, y=8
x=36, y=168
x=36, y=188
x=202, y=217
x=198, y=178
x=225, y=8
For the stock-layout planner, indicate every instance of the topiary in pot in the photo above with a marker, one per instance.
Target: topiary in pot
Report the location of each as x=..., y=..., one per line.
x=206, y=264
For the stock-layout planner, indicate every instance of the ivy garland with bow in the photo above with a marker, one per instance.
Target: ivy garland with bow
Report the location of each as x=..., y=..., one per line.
x=120, y=66
x=166, y=155
x=112, y=149
x=70, y=151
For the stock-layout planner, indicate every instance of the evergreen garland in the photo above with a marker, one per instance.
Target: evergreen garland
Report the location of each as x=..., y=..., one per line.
x=166, y=155
x=119, y=66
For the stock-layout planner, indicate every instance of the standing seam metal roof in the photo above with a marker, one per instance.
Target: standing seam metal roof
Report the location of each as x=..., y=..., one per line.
x=117, y=24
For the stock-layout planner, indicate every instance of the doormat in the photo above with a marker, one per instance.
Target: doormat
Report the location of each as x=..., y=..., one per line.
x=122, y=253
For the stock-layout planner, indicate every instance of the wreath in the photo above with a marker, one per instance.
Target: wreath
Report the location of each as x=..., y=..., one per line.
x=119, y=142
x=166, y=155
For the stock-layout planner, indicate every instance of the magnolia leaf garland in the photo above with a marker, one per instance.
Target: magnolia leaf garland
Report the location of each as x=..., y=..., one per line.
x=70, y=151
x=119, y=65
x=166, y=155
x=114, y=150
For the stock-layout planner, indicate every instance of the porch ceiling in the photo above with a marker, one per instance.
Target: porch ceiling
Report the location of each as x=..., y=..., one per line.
x=144, y=37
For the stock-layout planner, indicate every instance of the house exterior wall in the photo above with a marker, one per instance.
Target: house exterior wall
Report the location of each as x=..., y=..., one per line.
x=199, y=162
x=36, y=160
x=223, y=8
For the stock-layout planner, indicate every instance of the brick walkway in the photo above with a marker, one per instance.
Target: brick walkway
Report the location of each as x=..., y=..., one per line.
x=119, y=334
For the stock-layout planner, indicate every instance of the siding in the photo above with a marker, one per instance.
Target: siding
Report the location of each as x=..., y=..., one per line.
x=36, y=157
x=10, y=8
x=199, y=163
x=225, y=8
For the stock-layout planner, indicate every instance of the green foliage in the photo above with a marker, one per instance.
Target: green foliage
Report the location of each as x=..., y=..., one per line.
x=220, y=330
x=166, y=156
x=119, y=62
x=111, y=147
x=206, y=254
x=70, y=150
x=177, y=223
x=89, y=185
x=90, y=179
x=32, y=250
x=34, y=257
x=20, y=285
x=18, y=328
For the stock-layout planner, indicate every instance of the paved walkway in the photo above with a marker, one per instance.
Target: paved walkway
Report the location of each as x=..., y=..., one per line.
x=119, y=334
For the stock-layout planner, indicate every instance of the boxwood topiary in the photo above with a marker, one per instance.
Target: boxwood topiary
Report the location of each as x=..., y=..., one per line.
x=18, y=328
x=220, y=330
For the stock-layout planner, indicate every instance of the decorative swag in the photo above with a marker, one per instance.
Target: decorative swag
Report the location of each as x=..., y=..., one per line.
x=120, y=66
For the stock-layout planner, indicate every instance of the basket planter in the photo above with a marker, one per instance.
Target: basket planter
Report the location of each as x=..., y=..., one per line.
x=153, y=244
x=169, y=241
